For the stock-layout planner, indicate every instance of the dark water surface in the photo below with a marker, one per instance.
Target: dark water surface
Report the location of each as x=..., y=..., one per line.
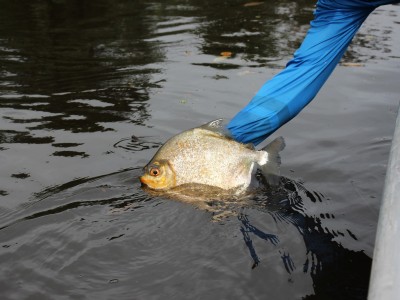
x=90, y=89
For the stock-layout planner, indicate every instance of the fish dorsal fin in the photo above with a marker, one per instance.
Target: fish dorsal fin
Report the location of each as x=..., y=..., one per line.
x=218, y=123
x=218, y=126
x=214, y=124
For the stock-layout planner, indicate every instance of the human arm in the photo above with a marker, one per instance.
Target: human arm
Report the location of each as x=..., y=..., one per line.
x=287, y=93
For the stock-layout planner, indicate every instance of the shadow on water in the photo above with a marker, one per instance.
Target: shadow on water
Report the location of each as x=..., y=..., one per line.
x=337, y=272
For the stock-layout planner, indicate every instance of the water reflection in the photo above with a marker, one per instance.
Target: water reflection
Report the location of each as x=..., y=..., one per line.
x=134, y=143
x=83, y=64
x=259, y=35
x=80, y=193
x=77, y=55
x=114, y=198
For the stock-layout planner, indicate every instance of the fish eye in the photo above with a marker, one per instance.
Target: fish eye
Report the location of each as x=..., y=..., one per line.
x=154, y=171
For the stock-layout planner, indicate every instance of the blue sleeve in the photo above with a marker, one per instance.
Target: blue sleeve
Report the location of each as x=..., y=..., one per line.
x=285, y=95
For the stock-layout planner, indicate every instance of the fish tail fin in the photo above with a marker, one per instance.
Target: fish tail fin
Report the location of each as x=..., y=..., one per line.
x=271, y=170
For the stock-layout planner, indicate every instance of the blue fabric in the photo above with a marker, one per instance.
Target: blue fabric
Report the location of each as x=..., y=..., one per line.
x=285, y=95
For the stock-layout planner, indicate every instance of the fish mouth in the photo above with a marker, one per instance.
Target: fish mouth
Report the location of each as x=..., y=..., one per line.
x=143, y=181
x=148, y=183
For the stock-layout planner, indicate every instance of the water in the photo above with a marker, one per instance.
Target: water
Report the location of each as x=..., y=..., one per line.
x=90, y=90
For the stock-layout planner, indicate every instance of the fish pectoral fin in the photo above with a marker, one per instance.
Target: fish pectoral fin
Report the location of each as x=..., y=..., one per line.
x=271, y=170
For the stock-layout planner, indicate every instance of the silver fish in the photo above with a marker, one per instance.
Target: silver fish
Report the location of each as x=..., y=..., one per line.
x=208, y=156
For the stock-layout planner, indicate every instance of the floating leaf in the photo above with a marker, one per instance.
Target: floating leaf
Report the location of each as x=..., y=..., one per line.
x=226, y=54
x=350, y=64
x=249, y=4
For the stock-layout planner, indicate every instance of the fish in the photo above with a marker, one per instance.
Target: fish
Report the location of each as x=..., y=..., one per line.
x=208, y=156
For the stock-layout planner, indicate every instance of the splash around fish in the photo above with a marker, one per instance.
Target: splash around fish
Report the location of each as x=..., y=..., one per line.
x=206, y=161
